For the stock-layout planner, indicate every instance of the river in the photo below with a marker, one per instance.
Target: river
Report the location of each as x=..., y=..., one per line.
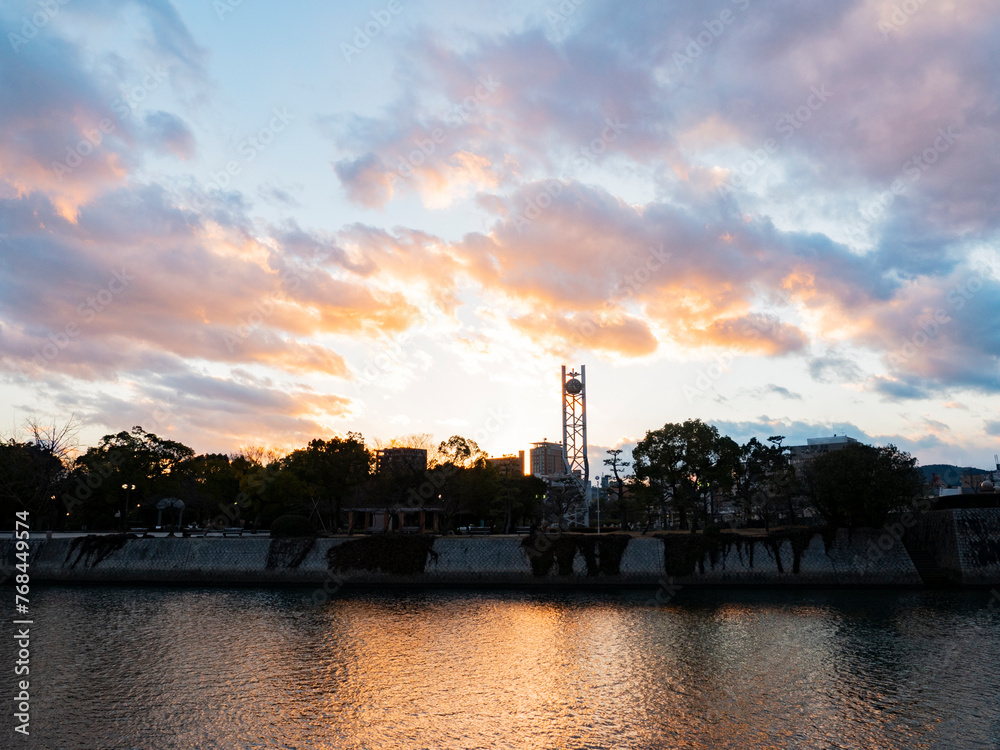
x=117, y=667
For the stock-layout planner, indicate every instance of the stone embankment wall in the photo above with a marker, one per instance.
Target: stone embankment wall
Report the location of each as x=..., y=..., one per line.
x=962, y=545
x=968, y=542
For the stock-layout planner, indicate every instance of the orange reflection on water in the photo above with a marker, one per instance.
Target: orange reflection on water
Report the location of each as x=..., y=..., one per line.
x=511, y=670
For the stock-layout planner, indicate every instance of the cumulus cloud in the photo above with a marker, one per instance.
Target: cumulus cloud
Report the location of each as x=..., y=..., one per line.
x=68, y=128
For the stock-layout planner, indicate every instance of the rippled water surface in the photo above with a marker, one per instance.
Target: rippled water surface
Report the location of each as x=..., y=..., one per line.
x=243, y=668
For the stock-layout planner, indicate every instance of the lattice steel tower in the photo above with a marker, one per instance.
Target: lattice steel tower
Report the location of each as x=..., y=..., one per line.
x=574, y=392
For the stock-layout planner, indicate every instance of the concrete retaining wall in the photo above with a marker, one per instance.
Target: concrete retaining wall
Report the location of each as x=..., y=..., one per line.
x=965, y=544
x=844, y=560
x=977, y=534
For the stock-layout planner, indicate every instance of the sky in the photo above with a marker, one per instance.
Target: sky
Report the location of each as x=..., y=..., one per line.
x=243, y=223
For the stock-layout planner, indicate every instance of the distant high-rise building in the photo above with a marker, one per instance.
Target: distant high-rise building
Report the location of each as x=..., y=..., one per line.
x=547, y=459
x=509, y=464
x=800, y=454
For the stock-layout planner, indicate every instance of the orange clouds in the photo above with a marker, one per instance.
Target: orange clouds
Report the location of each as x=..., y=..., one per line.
x=753, y=333
x=560, y=334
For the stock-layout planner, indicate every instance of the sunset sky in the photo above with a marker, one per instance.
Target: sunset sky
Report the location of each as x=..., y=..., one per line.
x=260, y=223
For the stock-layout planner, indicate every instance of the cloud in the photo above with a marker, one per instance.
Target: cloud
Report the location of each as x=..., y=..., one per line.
x=778, y=390
x=368, y=182
x=831, y=368
x=758, y=333
x=167, y=132
x=797, y=432
x=212, y=411
x=819, y=178
x=623, y=336
x=143, y=287
x=67, y=128
x=896, y=390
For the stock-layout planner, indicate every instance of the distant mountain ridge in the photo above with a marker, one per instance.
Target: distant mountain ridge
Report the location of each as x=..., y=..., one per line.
x=950, y=474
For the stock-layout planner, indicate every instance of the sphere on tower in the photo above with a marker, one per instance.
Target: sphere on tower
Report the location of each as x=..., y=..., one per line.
x=573, y=387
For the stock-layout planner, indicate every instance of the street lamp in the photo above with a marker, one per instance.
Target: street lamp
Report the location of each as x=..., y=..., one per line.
x=128, y=496
x=598, y=480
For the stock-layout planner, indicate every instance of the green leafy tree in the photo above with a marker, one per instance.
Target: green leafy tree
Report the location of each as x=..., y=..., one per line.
x=720, y=477
x=528, y=496
x=680, y=466
x=469, y=494
x=265, y=491
x=515, y=497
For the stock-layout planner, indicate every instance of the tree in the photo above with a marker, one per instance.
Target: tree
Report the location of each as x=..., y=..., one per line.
x=860, y=485
x=460, y=451
x=422, y=440
x=128, y=467
x=617, y=465
x=31, y=478
x=34, y=472
x=679, y=465
x=517, y=495
x=60, y=440
x=763, y=480
x=331, y=469
x=210, y=484
x=528, y=492
x=720, y=478
x=563, y=495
